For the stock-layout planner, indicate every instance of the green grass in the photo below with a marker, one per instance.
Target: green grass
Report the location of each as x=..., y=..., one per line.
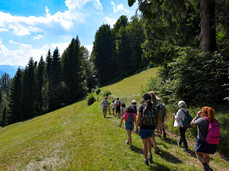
x=77, y=137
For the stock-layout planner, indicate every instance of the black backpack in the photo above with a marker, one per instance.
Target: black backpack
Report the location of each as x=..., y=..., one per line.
x=148, y=117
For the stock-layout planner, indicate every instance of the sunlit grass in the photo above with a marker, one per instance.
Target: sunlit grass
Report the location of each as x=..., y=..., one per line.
x=77, y=137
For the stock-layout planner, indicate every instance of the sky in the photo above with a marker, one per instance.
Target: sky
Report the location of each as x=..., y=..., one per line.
x=30, y=28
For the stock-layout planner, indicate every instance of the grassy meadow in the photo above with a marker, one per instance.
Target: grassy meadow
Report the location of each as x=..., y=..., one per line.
x=77, y=137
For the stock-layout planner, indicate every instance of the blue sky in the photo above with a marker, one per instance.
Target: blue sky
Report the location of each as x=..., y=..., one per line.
x=29, y=28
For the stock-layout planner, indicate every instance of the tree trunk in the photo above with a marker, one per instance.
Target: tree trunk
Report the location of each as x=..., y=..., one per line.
x=207, y=25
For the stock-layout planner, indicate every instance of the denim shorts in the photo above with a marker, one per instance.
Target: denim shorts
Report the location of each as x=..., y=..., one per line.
x=146, y=133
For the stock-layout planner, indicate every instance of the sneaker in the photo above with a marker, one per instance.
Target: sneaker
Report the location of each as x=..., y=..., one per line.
x=178, y=143
x=150, y=158
x=131, y=147
x=156, y=150
x=127, y=142
x=185, y=149
x=146, y=162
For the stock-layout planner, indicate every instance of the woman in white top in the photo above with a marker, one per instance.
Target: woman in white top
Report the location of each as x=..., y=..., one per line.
x=179, y=117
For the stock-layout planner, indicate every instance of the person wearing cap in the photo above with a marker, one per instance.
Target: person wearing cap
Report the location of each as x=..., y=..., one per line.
x=179, y=117
x=134, y=105
x=105, y=104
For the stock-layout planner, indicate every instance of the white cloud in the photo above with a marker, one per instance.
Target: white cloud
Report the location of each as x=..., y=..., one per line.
x=60, y=21
x=24, y=52
x=38, y=37
x=110, y=21
x=118, y=8
x=4, y=30
x=89, y=48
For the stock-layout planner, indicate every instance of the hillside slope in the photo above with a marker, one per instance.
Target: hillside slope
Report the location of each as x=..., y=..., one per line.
x=77, y=137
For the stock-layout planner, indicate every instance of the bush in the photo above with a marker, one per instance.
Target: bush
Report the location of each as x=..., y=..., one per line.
x=106, y=93
x=91, y=99
x=97, y=91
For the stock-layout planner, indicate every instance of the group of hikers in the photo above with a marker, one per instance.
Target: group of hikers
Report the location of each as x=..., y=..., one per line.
x=150, y=116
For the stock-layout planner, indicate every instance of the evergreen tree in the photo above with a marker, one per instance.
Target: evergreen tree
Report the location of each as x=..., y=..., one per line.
x=55, y=81
x=28, y=91
x=3, y=118
x=15, y=106
x=40, y=83
x=71, y=70
x=102, y=53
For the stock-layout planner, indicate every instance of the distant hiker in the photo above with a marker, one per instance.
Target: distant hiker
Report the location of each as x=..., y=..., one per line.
x=130, y=119
x=117, y=107
x=123, y=107
x=113, y=107
x=109, y=108
x=105, y=104
x=134, y=105
x=163, y=115
x=181, y=122
x=208, y=135
x=156, y=106
x=147, y=119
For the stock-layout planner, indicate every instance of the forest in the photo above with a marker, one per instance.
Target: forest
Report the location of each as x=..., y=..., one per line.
x=188, y=40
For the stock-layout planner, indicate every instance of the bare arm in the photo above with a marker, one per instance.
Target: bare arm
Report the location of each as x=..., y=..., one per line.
x=197, y=116
x=138, y=121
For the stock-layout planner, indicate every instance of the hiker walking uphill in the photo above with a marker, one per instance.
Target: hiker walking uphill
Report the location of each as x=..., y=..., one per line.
x=147, y=120
x=208, y=135
x=130, y=119
x=156, y=105
x=182, y=120
x=105, y=104
x=117, y=107
x=134, y=105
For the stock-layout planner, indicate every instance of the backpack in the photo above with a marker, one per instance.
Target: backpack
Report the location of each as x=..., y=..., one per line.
x=148, y=117
x=130, y=118
x=118, y=103
x=213, y=134
x=135, y=108
x=187, y=119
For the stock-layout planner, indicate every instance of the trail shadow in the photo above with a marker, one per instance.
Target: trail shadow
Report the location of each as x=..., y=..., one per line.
x=108, y=117
x=156, y=166
x=169, y=157
x=191, y=153
x=137, y=150
x=170, y=140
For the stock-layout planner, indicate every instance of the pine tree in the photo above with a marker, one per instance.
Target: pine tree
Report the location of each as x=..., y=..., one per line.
x=15, y=107
x=40, y=83
x=72, y=63
x=28, y=90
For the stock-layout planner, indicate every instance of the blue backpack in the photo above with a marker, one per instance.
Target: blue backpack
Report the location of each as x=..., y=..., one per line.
x=187, y=119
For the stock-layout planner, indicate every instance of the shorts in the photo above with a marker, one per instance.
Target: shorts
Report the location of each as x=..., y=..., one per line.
x=129, y=126
x=105, y=111
x=203, y=147
x=146, y=133
x=118, y=110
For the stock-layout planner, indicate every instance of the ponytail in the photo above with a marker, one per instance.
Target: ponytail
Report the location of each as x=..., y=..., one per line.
x=149, y=104
x=209, y=112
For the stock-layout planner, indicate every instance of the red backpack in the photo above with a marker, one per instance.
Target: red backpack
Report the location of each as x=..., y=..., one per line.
x=213, y=134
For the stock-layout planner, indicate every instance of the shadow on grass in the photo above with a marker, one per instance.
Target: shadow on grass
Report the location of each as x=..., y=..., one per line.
x=169, y=157
x=156, y=166
x=137, y=150
x=170, y=140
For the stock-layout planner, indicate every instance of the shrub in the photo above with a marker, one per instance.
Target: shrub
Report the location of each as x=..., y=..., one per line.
x=97, y=91
x=91, y=99
x=106, y=93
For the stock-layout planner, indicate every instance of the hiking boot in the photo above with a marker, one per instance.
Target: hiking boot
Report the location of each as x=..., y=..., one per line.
x=127, y=142
x=146, y=162
x=156, y=150
x=150, y=158
x=131, y=147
